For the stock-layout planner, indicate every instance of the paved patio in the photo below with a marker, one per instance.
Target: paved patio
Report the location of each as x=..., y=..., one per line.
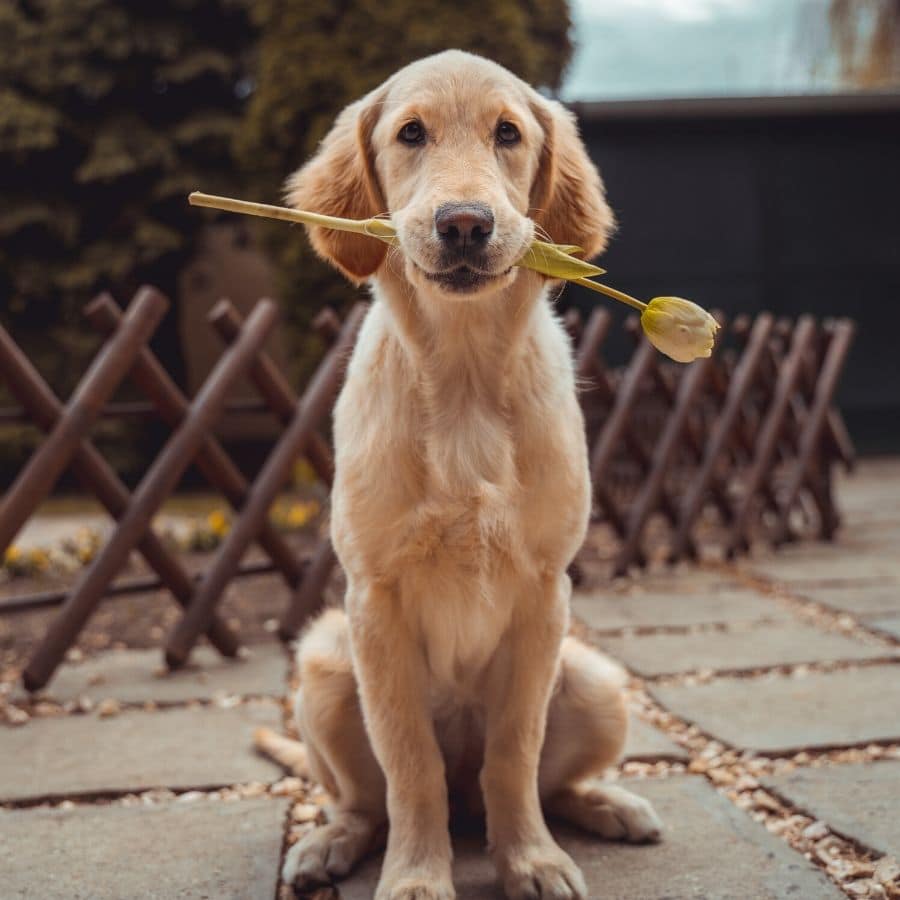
x=766, y=729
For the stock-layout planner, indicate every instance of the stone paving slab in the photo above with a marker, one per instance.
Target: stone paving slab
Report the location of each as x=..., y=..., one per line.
x=858, y=801
x=645, y=742
x=176, y=748
x=833, y=565
x=867, y=598
x=746, y=648
x=711, y=851
x=191, y=850
x=606, y=612
x=888, y=624
x=782, y=714
x=136, y=676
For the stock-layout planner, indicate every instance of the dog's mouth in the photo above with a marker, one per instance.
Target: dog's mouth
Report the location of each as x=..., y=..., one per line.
x=464, y=279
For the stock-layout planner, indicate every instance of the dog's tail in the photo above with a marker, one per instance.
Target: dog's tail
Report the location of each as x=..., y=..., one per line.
x=284, y=750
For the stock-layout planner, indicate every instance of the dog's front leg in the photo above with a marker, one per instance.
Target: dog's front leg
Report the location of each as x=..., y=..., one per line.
x=530, y=863
x=393, y=683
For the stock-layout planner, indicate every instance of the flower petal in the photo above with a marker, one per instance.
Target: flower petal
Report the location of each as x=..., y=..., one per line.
x=679, y=328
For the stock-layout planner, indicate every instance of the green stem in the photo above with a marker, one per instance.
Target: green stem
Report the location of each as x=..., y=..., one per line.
x=197, y=198
x=369, y=227
x=627, y=299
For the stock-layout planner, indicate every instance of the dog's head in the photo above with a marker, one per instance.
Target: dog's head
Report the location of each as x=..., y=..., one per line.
x=469, y=162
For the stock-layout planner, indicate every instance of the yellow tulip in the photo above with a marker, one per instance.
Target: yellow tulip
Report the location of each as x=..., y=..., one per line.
x=680, y=329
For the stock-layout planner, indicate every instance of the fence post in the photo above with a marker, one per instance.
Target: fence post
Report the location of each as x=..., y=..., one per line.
x=771, y=430
x=212, y=460
x=652, y=488
x=316, y=402
x=103, y=376
x=722, y=431
x=96, y=474
x=159, y=481
x=273, y=386
x=811, y=435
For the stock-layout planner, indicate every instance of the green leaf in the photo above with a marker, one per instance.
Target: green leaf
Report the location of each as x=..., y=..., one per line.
x=555, y=260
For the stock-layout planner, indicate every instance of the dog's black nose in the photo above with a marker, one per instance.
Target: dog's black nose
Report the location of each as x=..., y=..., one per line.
x=463, y=225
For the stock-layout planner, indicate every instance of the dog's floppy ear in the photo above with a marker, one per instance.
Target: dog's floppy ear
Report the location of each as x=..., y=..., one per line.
x=340, y=181
x=568, y=199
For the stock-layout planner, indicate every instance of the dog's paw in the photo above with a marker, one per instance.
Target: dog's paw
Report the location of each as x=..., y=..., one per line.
x=542, y=873
x=326, y=854
x=413, y=887
x=619, y=815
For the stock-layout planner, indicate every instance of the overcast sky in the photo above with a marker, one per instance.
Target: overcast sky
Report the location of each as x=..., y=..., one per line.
x=676, y=48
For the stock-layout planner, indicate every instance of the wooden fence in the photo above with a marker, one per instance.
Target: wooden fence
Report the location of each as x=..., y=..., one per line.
x=750, y=432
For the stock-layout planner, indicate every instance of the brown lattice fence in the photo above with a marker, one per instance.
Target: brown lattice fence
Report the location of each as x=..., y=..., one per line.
x=750, y=434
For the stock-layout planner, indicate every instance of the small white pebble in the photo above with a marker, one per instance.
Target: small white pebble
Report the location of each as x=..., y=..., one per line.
x=887, y=870
x=152, y=797
x=304, y=812
x=815, y=832
x=289, y=785
x=254, y=789
x=227, y=701
x=746, y=783
x=16, y=716
x=108, y=708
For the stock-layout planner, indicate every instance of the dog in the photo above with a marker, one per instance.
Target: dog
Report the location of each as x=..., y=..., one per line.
x=461, y=495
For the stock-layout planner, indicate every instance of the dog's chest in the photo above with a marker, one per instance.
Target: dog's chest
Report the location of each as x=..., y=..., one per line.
x=455, y=466
x=460, y=618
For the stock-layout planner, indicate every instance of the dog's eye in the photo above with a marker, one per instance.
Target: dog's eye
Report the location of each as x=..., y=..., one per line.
x=507, y=133
x=412, y=133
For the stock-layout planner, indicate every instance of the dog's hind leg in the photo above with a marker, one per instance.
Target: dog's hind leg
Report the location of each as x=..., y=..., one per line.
x=330, y=722
x=586, y=727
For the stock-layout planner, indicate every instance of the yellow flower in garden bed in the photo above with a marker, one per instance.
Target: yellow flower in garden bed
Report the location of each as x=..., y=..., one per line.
x=82, y=547
x=296, y=515
x=206, y=534
x=219, y=523
x=18, y=562
x=681, y=333
x=14, y=561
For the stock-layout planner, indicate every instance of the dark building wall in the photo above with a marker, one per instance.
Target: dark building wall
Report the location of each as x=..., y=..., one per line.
x=788, y=204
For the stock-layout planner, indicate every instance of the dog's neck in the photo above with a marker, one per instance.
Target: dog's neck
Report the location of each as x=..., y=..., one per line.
x=464, y=353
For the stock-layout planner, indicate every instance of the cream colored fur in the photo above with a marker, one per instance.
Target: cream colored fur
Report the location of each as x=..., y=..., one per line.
x=461, y=495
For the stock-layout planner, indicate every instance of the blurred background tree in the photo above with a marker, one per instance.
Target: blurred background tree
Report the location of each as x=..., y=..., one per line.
x=110, y=112
x=866, y=36
x=316, y=57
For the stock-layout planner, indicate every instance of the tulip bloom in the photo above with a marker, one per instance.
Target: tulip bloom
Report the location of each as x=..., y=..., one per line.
x=680, y=329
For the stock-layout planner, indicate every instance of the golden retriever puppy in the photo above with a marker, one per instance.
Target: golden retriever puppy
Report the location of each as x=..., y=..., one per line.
x=461, y=495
